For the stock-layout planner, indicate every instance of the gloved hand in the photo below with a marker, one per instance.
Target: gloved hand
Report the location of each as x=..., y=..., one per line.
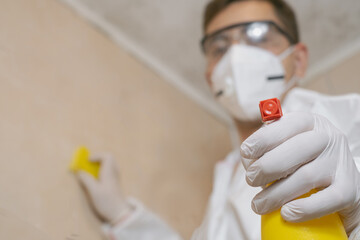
x=105, y=193
x=303, y=151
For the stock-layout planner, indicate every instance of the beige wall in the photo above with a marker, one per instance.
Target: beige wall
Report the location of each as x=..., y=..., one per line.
x=344, y=78
x=63, y=84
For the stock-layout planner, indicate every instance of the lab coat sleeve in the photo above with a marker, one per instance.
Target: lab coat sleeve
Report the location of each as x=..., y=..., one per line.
x=200, y=233
x=141, y=225
x=344, y=113
x=355, y=235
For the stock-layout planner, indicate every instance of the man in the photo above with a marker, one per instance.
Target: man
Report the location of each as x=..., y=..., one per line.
x=253, y=53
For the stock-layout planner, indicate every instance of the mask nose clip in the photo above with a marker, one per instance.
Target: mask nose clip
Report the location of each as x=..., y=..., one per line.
x=276, y=77
x=219, y=93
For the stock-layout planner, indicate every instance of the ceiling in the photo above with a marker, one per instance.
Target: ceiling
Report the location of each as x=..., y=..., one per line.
x=166, y=34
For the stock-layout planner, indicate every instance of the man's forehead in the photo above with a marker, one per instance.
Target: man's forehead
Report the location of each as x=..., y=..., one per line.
x=239, y=12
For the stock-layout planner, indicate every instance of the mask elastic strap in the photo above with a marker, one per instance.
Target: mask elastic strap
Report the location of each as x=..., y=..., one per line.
x=291, y=83
x=281, y=57
x=294, y=79
x=286, y=53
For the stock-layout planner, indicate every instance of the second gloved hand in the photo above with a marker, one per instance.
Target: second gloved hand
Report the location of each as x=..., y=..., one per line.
x=105, y=193
x=301, y=152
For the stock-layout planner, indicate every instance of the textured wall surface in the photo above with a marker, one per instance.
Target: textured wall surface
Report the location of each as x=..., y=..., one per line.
x=344, y=78
x=170, y=30
x=63, y=84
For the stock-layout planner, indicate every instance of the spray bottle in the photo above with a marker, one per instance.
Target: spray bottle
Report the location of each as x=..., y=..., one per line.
x=274, y=227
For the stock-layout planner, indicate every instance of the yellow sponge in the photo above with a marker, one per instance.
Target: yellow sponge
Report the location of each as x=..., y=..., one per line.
x=81, y=162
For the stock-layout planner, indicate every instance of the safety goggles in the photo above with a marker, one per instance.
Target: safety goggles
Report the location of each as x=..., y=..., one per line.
x=263, y=34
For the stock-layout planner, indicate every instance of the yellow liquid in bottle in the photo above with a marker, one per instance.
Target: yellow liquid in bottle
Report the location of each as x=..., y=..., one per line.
x=330, y=227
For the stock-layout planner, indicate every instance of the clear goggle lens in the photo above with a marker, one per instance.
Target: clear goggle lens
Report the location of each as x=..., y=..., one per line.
x=266, y=35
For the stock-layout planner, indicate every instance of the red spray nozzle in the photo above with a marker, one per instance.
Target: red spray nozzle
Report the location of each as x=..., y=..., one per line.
x=270, y=109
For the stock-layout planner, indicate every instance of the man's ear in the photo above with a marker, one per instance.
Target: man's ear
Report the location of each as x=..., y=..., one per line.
x=208, y=74
x=301, y=60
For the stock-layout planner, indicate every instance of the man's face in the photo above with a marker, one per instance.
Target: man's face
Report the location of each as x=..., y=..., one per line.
x=247, y=11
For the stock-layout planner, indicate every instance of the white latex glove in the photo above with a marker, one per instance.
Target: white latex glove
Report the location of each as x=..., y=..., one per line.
x=303, y=151
x=105, y=193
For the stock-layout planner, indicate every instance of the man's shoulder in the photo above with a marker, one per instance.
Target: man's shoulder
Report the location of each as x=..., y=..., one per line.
x=340, y=105
x=342, y=110
x=301, y=99
x=307, y=93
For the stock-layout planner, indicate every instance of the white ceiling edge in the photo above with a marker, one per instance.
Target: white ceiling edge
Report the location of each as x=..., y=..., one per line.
x=141, y=54
x=334, y=59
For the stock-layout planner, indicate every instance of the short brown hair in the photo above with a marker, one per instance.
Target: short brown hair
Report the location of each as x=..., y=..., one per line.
x=282, y=9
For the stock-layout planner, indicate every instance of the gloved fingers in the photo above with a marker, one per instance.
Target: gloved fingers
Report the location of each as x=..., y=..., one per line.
x=247, y=162
x=276, y=195
x=272, y=135
x=108, y=168
x=324, y=202
x=286, y=158
x=90, y=184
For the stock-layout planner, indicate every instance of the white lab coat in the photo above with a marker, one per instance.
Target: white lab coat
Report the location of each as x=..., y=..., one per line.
x=229, y=215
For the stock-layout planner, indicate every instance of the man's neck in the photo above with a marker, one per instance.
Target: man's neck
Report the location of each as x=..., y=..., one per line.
x=245, y=129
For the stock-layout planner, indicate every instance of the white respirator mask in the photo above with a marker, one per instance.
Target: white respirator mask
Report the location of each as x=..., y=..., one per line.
x=247, y=75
